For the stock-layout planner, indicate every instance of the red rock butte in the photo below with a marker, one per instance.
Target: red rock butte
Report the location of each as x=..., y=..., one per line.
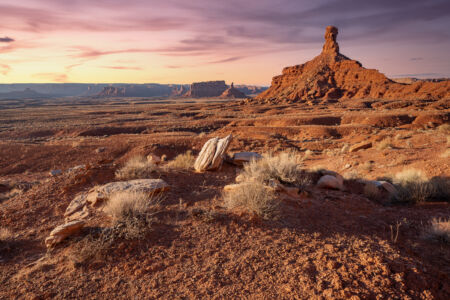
x=332, y=75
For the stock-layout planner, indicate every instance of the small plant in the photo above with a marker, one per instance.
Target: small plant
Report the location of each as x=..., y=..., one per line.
x=308, y=154
x=284, y=167
x=345, y=148
x=439, y=229
x=367, y=166
x=255, y=197
x=414, y=187
x=385, y=144
x=136, y=167
x=371, y=191
x=445, y=154
x=5, y=234
x=445, y=128
x=182, y=161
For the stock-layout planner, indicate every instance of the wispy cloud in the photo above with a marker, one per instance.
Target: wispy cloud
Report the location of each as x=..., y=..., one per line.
x=6, y=39
x=53, y=77
x=122, y=68
x=4, y=69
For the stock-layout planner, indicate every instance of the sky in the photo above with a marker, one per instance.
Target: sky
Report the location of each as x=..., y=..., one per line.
x=241, y=41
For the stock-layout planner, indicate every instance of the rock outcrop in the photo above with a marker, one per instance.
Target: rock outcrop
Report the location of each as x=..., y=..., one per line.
x=232, y=93
x=332, y=75
x=207, y=89
x=212, y=154
x=63, y=231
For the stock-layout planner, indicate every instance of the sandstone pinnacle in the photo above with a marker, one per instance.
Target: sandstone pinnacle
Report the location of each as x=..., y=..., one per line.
x=331, y=46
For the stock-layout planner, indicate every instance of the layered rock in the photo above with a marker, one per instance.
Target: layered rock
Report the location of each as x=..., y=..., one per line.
x=207, y=89
x=332, y=75
x=233, y=93
x=140, y=90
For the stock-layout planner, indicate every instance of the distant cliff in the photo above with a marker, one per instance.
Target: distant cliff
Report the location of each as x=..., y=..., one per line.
x=206, y=89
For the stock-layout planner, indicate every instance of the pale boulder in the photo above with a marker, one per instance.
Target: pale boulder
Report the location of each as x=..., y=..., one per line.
x=62, y=232
x=212, y=154
x=360, y=146
x=101, y=193
x=330, y=182
x=244, y=157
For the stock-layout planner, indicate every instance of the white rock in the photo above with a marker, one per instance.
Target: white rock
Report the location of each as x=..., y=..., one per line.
x=63, y=231
x=330, y=182
x=100, y=193
x=55, y=172
x=244, y=157
x=212, y=154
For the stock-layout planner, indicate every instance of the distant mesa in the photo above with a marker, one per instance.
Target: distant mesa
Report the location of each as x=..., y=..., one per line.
x=27, y=93
x=140, y=90
x=206, y=89
x=332, y=75
x=232, y=93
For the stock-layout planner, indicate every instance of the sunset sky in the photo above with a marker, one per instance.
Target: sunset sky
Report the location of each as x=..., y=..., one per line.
x=179, y=41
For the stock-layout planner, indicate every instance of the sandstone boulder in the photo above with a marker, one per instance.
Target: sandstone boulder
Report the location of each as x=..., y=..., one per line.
x=153, y=159
x=63, y=231
x=329, y=182
x=360, y=146
x=244, y=157
x=76, y=205
x=101, y=193
x=212, y=154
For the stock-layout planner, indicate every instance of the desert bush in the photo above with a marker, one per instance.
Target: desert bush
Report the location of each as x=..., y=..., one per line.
x=135, y=168
x=5, y=234
x=385, y=144
x=183, y=161
x=439, y=229
x=445, y=154
x=345, y=148
x=414, y=187
x=371, y=191
x=255, y=197
x=123, y=204
x=409, y=175
x=445, y=128
x=308, y=154
x=284, y=167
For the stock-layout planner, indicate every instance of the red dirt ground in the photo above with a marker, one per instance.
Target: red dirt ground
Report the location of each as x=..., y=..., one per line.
x=329, y=245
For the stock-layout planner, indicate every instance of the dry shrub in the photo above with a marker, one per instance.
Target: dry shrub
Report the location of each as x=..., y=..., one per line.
x=385, y=144
x=445, y=154
x=345, y=148
x=439, y=230
x=415, y=187
x=123, y=204
x=445, y=128
x=132, y=214
x=371, y=191
x=367, y=166
x=183, y=161
x=136, y=167
x=284, y=167
x=308, y=154
x=255, y=197
x=409, y=175
x=5, y=234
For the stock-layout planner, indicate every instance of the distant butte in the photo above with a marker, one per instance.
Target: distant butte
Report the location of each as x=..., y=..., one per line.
x=332, y=75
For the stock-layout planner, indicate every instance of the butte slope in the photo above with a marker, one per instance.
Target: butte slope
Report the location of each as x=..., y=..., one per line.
x=332, y=75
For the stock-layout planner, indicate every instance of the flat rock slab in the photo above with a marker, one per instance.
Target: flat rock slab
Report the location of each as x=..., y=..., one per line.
x=63, y=231
x=244, y=157
x=103, y=192
x=360, y=146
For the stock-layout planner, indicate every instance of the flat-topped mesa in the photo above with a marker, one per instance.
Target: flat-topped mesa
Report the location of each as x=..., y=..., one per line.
x=331, y=46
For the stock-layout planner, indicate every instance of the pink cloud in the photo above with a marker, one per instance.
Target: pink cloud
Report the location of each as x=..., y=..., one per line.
x=53, y=77
x=4, y=69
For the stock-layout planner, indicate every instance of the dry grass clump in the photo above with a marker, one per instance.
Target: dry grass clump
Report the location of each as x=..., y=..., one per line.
x=255, y=197
x=132, y=214
x=5, y=234
x=445, y=128
x=345, y=148
x=284, y=167
x=136, y=167
x=414, y=187
x=183, y=161
x=445, y=154
x=385, y=144
x=371, y=191
x=439, y=230
x=308, y=154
